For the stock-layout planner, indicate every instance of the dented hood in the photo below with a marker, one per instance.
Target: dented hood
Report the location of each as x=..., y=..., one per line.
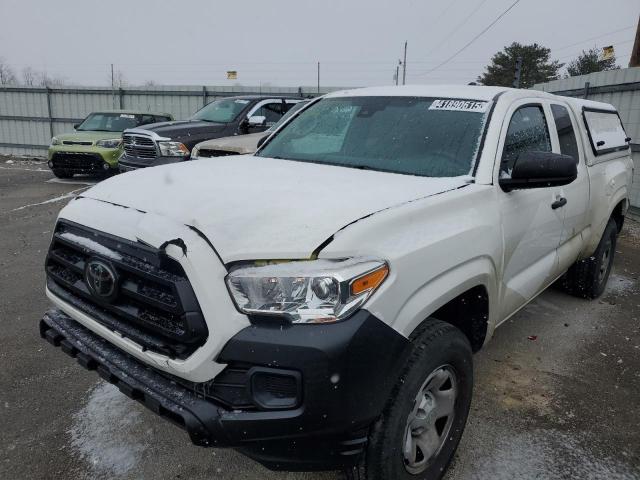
x=262, y=208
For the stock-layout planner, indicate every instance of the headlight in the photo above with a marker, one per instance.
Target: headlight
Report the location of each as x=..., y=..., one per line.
x=110, y=143
x=55, y=141
x=173, y=149
x=314, y=291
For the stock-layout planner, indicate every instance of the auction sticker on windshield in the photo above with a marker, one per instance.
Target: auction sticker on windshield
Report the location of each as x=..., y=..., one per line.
x=459, y=105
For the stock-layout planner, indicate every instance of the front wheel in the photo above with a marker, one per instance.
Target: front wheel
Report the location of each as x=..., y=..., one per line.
x=422, y=424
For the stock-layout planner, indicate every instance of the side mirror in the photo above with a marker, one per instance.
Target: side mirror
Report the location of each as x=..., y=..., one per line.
x=539, y=170
x=75, y=126
x=257, y=121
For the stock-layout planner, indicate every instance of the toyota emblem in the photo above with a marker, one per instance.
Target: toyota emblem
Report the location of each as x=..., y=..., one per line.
x=101, y=279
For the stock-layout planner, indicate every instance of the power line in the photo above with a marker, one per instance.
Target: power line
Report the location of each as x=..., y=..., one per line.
x=472, y=40
x=593, y=38
x=442, y=14
x=578, y=53
x=455, y=30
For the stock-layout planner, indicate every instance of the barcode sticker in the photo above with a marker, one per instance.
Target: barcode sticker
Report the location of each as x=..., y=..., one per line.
x=459, y=105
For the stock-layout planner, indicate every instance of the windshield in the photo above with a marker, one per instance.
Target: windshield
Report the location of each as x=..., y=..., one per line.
x=111, y=122
x=221, y=111
x=411, y=135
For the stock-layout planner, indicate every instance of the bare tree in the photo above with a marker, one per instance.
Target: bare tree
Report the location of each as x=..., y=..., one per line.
x=43, y=79
x=29, y=76
x=150, y=83
x=118, y=80
x=7, y=75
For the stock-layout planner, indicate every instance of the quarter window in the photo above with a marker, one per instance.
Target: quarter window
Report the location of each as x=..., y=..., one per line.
x=566, y=134
x=605, y=131
x=527, y=132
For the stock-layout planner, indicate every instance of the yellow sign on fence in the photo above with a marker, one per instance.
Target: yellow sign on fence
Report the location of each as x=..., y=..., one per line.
x=232, y=75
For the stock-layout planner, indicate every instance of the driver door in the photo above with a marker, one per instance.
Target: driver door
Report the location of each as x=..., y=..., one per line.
x=531, y=227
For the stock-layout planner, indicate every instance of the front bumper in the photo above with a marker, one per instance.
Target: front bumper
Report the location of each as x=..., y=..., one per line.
x=347, y=371
x=83, y=160
x=128, y=163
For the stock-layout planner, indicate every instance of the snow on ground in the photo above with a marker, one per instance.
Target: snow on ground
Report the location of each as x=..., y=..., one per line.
x=540, y=454
x=101, y=433
x=620, y=285
x=59, y=198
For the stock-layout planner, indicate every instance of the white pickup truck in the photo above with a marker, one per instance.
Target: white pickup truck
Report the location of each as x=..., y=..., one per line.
x=316, y=305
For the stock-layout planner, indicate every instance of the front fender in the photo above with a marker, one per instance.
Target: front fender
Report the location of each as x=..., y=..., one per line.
x=437, y=249
x=435, y=293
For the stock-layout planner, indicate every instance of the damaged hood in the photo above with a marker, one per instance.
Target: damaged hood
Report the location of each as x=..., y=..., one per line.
x=253, y=208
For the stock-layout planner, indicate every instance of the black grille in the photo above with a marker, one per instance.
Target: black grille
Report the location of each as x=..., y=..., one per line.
x=74, y=142
x=207, y=153
x=139, y=146
x=77, y=162
x=154, y=303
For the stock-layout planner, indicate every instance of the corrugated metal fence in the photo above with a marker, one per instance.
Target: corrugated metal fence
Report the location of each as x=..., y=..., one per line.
x=621, y=88
x=30, y=116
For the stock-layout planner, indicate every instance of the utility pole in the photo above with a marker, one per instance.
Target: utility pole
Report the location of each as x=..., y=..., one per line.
x=404, y=65
x=318, y=78
x=113, y=89
x=516, y=74
x=634, y=61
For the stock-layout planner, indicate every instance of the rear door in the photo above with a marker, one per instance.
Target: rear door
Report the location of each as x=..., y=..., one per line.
x=576, y=194
x=532, y=228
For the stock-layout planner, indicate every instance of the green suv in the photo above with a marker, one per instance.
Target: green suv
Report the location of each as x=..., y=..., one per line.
x=96, y=144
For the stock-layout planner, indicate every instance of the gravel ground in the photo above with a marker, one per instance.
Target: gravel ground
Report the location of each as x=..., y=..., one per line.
x=557, y=389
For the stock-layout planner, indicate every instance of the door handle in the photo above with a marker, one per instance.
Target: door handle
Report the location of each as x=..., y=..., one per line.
x=560, y=202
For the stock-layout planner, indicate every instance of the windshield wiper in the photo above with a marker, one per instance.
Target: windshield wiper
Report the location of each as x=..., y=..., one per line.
x=358, y=166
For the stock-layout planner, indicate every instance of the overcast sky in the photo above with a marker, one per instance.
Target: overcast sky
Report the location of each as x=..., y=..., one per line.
x=278, y=42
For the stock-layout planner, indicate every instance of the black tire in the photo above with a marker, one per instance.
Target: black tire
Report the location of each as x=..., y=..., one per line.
x=435, y=345
x=587, y=278
x=62, y=173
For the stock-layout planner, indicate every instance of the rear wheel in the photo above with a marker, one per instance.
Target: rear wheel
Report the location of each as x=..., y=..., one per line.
x=587, y=278
x=422, y=424
x=62, y=173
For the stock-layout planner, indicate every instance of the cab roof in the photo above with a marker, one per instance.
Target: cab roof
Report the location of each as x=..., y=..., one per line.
x=470, y=92
x=133, y=112
x=442, y=91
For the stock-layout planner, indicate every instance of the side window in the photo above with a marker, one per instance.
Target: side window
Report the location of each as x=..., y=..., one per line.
x=288, y=104
x=527, y=132
x=146, y=119
x=566, y=134
x=271, y=111
x=162, y=119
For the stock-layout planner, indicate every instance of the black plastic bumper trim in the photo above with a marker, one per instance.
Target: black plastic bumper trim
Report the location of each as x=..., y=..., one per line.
x=199, y=417
x=346, y=372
